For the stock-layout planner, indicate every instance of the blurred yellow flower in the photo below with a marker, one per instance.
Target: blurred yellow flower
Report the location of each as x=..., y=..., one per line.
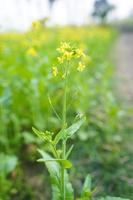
x=81, y=67
x=68, y=55
x=79, y=53
x=31, y=52
x=60, y=59
x=54, y=71
x=63, y=47
x=36, y=24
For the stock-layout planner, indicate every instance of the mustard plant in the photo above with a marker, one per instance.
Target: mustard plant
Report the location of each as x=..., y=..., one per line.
x=57, y=161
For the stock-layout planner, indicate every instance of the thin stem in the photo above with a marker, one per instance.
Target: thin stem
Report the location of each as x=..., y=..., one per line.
x=63, y=126
x=50, y=102
x=54, y=151
x=64, y=105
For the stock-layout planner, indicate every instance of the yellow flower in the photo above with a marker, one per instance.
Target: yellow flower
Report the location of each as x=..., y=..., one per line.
x=32, y=52
x=81, y=67
x=68, y=55
x=63, y=47
x=60, y=59
x=36, y=24
x=79, y=53
x=54, y=71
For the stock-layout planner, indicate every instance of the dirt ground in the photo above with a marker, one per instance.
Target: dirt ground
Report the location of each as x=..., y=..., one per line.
x=124, y=67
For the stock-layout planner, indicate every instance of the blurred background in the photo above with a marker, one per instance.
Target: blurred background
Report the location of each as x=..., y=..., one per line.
x=30, y=32
x=18, y=15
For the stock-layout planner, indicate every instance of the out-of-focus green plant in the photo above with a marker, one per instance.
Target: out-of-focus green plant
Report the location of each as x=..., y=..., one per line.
x=7, y=165
x=24, y=81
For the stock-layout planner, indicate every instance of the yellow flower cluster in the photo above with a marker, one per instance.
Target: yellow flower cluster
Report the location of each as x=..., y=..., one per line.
x=79, y=53
x=64, y=47
x=32, y=52
x=67, y=53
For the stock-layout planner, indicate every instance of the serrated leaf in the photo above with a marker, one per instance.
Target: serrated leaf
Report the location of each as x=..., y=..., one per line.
x=54, y=170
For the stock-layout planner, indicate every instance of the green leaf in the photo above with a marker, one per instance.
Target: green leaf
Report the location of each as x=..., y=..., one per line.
x=65, y=163
x=59, y=136
x=54, y=170
x=69, y=132
x=86, y=191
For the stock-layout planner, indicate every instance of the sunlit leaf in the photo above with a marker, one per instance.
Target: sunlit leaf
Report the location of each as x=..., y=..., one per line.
x=65, y=163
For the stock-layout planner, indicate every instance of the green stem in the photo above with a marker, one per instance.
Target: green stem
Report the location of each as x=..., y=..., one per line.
x=64, y=141
x=64, y=105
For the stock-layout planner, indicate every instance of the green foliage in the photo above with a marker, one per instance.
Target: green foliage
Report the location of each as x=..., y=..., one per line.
x=26, y=83
x=7, y=163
